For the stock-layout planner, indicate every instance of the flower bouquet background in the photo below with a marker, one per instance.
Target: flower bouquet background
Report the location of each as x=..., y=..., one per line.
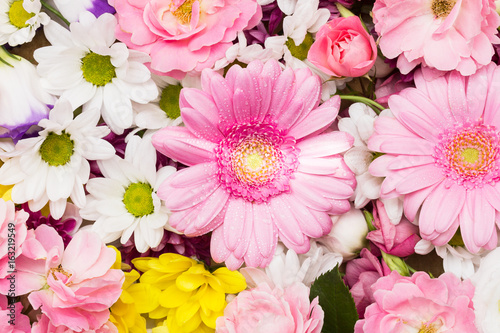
x=249, y=166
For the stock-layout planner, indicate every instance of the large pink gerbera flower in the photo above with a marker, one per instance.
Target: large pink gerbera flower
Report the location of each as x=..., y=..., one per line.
x=259, y=167
x=442, y=151
x=444, y=34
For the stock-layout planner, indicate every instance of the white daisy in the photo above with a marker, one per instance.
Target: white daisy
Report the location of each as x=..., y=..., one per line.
x=19, y=20
x=53, y=166
x=164, y=110
x=85, y=66
x=360, y=125
x=71, y=9
x=124, y=201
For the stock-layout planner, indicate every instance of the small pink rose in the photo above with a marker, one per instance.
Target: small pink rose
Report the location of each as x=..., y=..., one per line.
x=398, y=240
x=343, y=48
x=11, y=318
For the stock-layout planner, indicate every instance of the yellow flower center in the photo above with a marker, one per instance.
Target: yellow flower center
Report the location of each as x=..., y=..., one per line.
x=57, y=149
x=97, y=69
x=442, y=8
x=470, y=155
x=59, y=273
x=428, y=328
x=184, y=12
x=18, y=15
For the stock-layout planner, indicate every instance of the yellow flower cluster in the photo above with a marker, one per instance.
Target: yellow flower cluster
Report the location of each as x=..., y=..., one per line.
x=182, y=290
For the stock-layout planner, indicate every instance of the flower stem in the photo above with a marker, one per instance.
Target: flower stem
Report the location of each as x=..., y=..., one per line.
x=4, y=54
x=374, y=105
x=55, y=11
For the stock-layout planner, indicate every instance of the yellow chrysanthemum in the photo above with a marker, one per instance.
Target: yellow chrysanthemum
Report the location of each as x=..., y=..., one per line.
x=6, y=192
x=124, y=313
x=191, y=297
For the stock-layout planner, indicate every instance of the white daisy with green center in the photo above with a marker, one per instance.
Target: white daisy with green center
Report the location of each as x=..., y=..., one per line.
x=124, y=201
x=87, y=67
x=19, y=20
x=53, y=166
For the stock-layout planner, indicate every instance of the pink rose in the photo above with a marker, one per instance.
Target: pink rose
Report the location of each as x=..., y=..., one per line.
x=385, y=88
x=420, y=304
x=343, y=48
x=11, y=319
x=74, y=286
x=360, y=275
x=398, y=240
x=43, y=325
x=183, y=35
x=263, y=309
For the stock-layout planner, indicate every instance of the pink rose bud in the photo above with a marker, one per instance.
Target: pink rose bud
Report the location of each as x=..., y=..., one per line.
x=343, y=48
x=398, y=240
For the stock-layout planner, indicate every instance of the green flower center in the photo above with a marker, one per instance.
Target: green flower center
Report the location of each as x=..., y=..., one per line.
x=57, y=149
x=442, y=8
x=138, y=199
x=300, y=51
x=457, y=239
x=169, y=101
x=18, y=15
x=97, y=69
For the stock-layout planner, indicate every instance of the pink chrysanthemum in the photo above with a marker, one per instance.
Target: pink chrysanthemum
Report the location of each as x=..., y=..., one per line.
x=259, y=167
x=443, y=34
x=442, y=151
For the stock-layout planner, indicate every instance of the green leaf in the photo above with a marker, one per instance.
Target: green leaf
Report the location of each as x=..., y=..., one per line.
x=336, y=301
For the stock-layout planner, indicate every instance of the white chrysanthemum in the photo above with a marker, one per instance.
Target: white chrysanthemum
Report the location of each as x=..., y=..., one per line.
x=164, y=110
x=85, y=66
x=299, y=30
x=19, y=20
x=71, y=9
x=487, y=293
x=124, y=201
x=456, y=259
x=360, y=125
x=53, y=166
x=288, y=268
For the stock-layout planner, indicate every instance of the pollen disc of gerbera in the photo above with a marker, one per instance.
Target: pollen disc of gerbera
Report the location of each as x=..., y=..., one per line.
x=57, y=149
x=469, y=154
x=98, y=69
x=256, y=161
x=138, y=199
x=18, y=15
x=442, y=8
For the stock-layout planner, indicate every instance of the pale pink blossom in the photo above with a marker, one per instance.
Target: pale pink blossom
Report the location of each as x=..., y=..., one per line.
x=73, y=286
x=343, y=48
x=398, y=240
x=183, y=35
x=263, y=309
x=442, y=34
x=260, y=165
x=442, y=151
x=11, y=318
x=44, y=325
x=420, y=304
x=13, y=233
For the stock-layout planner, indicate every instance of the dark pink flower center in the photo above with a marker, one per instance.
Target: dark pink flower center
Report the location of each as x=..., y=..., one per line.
x=469, y=154
x=256, y=161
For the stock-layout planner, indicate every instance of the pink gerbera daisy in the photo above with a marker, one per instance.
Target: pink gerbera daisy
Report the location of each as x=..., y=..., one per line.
x=442, y=151
x=259, y=167
x=442, y=34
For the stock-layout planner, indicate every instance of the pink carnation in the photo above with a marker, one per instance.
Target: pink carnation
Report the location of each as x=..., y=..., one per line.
x=420, y=304
x=183, y=35
x=13, y=233
x=43, y=325
x=73, y=286
x=260, y=166
x=442, y=34
x=11, y=318
x=442, y=151
x=263, y=309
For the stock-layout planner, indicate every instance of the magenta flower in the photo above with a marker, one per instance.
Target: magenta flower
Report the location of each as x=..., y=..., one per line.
x=183, y=35
x=259, y=167
x=442, y=34
x=442, y=151
x=420, y=304
x=74, y=287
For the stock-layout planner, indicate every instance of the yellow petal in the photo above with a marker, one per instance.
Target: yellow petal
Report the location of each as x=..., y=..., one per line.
x=213, y=300
x=173, y=297
x=210, y=317
x=145, y=296
x=192, y=279
x=186, y=312
x=233, y=281
x=118, y=261
x=159, y=313
x=6, y=192
x=130, y=277
x=176, y=326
